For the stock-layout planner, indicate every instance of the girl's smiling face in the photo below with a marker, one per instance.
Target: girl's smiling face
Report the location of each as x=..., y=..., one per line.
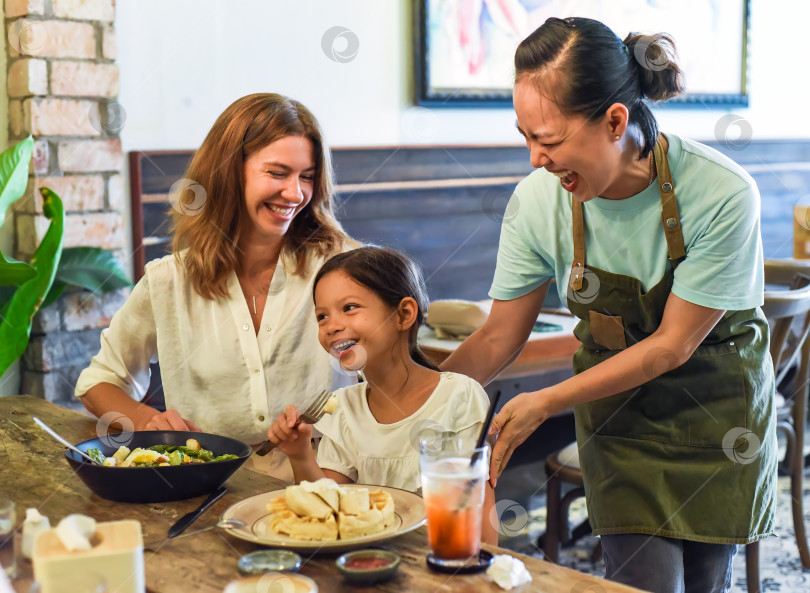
x=584, y=155
x=278, y=181
x=354, y=324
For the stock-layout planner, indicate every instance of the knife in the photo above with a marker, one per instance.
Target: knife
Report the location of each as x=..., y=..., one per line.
x=186, y=520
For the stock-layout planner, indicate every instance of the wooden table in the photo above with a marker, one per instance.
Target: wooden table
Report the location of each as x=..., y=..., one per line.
x=544, y=351
x=34, y=473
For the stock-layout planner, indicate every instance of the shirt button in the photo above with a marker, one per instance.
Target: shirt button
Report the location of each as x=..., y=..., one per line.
x=449, y=375
x=257, y=371
x=267, y=328
x=261, y=418
x=246, y=327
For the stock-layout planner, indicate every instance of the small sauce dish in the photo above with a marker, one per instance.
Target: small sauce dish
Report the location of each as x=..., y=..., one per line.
x=365, y=567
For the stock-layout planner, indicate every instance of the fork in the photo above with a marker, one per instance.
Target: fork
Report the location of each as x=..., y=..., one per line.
x=311, y=415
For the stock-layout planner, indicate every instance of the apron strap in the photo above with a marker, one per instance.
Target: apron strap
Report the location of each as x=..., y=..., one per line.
x=669, y=207
x=578, y=267
x=669, y=218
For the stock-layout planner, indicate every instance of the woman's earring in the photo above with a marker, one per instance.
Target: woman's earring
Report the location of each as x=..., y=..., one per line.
x=617, y=137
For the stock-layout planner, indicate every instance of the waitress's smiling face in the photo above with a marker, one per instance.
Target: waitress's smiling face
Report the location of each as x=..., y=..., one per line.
x=583, y=155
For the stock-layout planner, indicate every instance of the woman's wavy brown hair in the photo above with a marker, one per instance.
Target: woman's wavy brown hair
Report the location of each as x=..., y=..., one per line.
x=208, y=205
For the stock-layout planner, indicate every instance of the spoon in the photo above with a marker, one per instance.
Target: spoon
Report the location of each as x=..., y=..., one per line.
x=224, y=524
x=55, y=435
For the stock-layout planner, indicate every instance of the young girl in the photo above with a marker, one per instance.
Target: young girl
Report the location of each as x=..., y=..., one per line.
x=369, y=304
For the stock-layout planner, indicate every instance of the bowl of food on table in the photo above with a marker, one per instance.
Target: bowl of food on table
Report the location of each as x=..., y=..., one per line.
x=157, y=466
x=326, y=517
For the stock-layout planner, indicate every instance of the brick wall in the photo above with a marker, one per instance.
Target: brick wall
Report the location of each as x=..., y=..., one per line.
x=62, y=86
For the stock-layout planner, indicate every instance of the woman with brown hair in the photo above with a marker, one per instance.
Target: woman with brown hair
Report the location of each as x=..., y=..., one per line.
x=229, y=315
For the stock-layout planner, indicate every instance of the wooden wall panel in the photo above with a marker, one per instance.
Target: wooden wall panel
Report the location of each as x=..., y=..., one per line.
x=443, y=205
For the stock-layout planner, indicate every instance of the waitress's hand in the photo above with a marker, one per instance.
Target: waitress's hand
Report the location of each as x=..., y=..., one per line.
x=518, y=419
x=292, y=440
x=168, y=420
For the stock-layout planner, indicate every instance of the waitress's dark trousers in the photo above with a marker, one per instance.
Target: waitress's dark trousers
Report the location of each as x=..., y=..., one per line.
x=664, y=565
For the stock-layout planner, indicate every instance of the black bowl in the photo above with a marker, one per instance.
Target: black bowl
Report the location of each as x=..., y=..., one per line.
x=161, y=483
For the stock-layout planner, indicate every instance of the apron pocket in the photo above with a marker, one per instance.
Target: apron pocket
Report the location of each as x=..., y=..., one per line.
x=607, y=330
x=695, y=404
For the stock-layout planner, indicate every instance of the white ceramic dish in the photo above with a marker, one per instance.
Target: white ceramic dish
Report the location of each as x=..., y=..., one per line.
x=409, y=509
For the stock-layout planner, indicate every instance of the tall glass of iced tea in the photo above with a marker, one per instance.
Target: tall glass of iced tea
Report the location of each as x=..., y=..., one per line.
x=453, y=490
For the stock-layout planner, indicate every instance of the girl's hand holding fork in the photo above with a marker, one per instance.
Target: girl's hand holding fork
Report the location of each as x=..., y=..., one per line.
x=292, y=440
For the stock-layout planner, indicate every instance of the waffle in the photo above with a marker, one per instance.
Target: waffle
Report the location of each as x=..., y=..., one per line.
x=355, y=501
x=283, y=520
x=306, y=504
x=383, y=502
x=328, y=490
x=366, y=523
x=303, y=514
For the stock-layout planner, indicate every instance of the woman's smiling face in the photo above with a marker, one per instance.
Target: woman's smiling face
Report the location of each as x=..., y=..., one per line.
x=279, y=181
x=584, y=155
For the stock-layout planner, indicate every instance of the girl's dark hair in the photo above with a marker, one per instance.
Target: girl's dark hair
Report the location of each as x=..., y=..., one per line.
x=392, y=276
x=584, y=67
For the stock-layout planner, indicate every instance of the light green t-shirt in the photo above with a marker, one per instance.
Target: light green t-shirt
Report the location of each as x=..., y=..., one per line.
x=719, y=208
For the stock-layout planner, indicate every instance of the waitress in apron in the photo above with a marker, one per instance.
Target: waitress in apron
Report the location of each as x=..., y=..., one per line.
x=655, y=245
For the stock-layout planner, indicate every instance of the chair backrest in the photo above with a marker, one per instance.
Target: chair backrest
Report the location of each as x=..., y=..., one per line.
x=787, y=308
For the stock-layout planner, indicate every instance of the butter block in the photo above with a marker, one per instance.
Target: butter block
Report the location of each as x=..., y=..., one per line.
x=115, y=560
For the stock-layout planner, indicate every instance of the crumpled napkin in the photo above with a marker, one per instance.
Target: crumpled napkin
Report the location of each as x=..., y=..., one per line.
x=33, y=525
x=76, y=531
x=508, y=572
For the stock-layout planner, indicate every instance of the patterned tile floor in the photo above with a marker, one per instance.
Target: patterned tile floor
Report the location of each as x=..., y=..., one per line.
x=780, y=568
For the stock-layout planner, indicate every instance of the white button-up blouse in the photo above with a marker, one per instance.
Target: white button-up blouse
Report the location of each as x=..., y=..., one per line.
x=216, y=371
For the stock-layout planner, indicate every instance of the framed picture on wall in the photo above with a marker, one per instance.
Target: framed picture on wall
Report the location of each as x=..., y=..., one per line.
x=465, y=48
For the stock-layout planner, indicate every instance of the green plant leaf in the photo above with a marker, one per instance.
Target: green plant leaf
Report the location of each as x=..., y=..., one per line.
x=91, y=268
x=14, y=174
x=15, y=327
x=57, y=288
x=6, y=292
x=13, y=272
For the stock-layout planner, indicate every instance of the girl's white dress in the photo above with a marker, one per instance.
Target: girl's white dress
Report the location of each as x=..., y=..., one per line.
x=357, y=446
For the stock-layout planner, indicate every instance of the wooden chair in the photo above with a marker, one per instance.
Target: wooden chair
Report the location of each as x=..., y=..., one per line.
x=562, y=467
x=787, y=307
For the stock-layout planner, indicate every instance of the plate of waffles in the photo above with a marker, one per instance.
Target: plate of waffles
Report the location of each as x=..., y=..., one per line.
x=323, y=516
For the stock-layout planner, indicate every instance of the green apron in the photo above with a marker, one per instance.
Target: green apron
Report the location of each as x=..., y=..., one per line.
x=691, y=454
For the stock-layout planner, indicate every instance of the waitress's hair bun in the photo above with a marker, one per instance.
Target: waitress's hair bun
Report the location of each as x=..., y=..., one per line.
x=585, y=68
x=656, y=60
